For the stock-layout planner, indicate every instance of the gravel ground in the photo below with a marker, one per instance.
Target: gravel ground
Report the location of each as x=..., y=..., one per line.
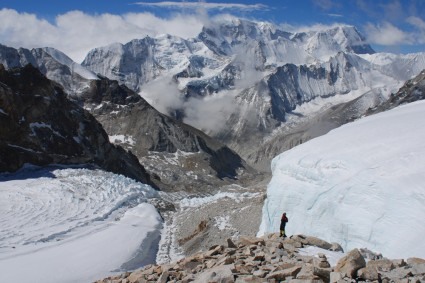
x=202, y=222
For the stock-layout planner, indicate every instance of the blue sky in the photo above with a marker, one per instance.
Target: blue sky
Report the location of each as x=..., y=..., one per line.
x=389, y=25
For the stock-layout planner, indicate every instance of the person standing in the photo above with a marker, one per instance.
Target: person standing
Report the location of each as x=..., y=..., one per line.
x=283, y=222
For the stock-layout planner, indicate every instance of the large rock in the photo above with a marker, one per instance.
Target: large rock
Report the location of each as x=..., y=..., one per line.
x=212, y=267
x=283, y=274
x=349, y=264
x=221, y=273
x=313, y=241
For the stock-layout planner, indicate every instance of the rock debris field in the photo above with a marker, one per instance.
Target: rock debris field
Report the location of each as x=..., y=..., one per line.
x=274, y=259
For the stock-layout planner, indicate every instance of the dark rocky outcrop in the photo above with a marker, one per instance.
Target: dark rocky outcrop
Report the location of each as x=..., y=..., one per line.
x=39, y=125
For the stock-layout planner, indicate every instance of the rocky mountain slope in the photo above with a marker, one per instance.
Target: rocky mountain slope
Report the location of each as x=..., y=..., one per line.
x=182, y=157
x=39, y=125
x=273, y=259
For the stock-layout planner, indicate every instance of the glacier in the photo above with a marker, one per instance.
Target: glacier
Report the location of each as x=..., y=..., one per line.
x=360, y=185
x=74, y=225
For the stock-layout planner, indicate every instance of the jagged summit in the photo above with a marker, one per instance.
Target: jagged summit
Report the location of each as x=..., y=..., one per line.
x=225, y=36
x=54, y=64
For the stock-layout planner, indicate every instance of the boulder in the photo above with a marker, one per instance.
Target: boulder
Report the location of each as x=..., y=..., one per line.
x=349, y=264
x=312, y=241
x=249, y=279
x=368, y=273
x=415, y=260
x=418, y=269
x=380, y=265
x=283, y=274
x=335, y=277
x=398, y=273
x=221, y=273
x=247, y=241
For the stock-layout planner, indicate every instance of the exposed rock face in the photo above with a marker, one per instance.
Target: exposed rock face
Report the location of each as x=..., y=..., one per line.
x=39, y=125
x=180, y=155
x=264, y=259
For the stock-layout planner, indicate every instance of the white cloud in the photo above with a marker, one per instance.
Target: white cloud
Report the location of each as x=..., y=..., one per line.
x=387, y=34
x=419, y=25
x=210, y=113
x=75, y=33
x=416, y=22
x=204, y=5
x=335, y=15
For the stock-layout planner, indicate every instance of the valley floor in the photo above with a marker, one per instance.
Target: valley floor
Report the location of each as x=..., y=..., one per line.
x=77, y=224
x=200, y=222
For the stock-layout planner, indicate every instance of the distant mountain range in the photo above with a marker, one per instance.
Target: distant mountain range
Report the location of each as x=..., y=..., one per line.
x=250, y=85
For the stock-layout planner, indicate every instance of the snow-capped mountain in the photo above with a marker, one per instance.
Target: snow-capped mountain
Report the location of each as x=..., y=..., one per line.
x=360, y=184
x=239, y=80
x=54, y=64
x=257, y=46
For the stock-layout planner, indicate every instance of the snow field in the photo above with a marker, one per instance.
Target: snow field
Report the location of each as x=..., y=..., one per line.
x=73, y=225
x=360, y=185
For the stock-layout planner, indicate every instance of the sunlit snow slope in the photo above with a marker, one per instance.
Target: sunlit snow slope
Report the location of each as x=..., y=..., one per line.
x=73, y=225
x=361, y=185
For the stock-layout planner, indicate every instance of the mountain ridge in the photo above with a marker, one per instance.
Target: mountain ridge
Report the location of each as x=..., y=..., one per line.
x=39, y=125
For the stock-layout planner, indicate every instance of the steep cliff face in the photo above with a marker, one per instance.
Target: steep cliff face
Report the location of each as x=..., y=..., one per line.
x=180, y=155
x=39, y=125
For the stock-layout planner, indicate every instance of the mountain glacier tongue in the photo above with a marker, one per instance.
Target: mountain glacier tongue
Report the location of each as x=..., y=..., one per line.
x=359, y=185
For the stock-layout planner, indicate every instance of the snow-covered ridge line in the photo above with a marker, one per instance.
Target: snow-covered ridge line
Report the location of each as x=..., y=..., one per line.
x=74, y=67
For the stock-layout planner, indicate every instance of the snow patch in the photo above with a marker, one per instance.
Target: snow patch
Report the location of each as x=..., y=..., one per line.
x=73, y=225
x=120, y=139
x=222, y=222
